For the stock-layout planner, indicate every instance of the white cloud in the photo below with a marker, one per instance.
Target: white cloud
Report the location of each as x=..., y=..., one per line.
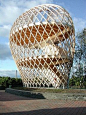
x=10, y=10
x=5, y=52
x=5, y=30
x=9, y=73
x=79, y=24
x=9, y=14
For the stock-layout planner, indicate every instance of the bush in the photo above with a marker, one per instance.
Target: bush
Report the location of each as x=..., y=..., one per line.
x=75, y=82
x=85, y=84
x=2, y=88
x=7, y=81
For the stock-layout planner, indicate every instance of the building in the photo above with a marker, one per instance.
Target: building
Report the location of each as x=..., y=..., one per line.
x=42, y=42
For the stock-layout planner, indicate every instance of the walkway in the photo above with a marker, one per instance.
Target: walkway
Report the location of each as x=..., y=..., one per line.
x=15, y=105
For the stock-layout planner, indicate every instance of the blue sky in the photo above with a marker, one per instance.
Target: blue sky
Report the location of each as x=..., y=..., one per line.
x=10, y=10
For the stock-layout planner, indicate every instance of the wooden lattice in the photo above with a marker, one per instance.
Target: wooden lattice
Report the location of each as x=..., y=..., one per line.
x=42, y=42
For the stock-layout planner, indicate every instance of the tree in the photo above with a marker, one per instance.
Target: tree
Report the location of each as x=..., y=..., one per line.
x=80, y=52
x=6, y=81
x=75, y=81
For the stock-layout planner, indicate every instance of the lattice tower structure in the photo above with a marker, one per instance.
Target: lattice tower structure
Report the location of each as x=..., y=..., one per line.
x=42, y=42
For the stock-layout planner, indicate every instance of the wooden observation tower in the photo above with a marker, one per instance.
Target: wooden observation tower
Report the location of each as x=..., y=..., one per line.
x=42, y=42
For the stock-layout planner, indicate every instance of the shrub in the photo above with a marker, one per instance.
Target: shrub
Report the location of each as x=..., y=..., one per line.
x=14, y=82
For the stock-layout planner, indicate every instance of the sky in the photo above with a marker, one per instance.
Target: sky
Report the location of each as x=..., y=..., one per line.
x=10, y=10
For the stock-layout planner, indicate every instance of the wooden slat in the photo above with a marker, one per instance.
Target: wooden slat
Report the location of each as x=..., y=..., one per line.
x=38, y=37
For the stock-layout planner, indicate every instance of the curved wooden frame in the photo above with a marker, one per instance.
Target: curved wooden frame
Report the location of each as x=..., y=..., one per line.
x=42, y=42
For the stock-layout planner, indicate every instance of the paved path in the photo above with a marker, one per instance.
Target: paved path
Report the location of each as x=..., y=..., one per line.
x=15, y=105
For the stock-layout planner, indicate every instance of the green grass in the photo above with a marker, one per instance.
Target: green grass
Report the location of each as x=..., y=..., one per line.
x=51, y=90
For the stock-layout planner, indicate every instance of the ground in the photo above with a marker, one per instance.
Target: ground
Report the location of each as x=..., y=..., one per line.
x=52, y=90
x=16, y=105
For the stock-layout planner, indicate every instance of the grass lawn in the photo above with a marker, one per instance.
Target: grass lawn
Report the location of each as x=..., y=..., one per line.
x=51, y=90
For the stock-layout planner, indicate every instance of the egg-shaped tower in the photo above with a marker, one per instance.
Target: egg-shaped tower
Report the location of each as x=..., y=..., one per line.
x=42, y=42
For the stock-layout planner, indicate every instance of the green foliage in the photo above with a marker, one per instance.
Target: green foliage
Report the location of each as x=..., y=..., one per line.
x=14, y=82
x=80, y=53
x=85, y=84
x=77, y=81
x=81, y=42
x=73, y=81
